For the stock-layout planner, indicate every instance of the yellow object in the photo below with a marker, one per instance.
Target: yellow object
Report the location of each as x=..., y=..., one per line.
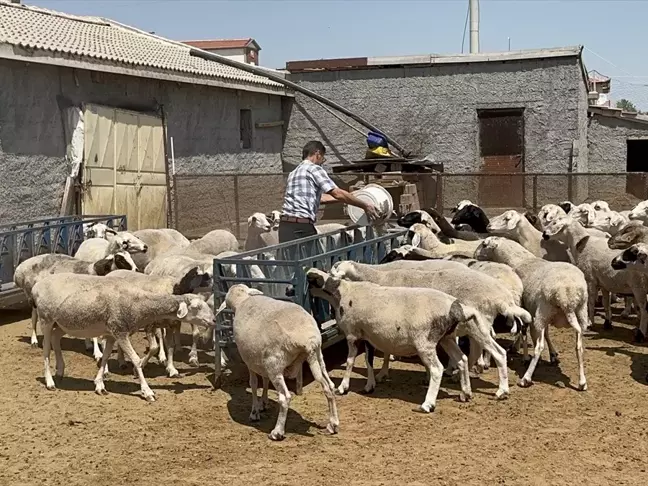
x=377, y=153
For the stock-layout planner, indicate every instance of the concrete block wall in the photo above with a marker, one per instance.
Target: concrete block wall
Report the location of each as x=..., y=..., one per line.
x=203, y=121
x=432, y=111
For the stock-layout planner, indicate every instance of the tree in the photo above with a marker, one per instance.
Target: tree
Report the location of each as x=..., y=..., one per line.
x=626, y=105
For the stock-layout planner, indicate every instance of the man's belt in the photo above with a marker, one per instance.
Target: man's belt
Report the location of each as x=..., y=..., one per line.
x=292, y=219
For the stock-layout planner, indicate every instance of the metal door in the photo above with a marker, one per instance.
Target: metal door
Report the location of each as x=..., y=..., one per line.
x=124, y=166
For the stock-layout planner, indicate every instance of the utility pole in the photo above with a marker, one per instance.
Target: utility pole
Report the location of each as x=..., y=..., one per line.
x=474, y=26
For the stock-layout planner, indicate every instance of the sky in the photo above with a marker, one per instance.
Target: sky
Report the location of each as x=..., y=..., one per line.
x=287, y=30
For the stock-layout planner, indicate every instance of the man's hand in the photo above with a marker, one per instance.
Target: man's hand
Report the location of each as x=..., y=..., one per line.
x=372, y=212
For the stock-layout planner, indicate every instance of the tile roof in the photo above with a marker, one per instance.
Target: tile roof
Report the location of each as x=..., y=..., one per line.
x=95, y=38
x=222, y=43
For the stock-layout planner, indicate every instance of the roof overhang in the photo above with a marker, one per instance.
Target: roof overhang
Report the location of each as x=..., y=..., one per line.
x=619, y=114
x=38, y=56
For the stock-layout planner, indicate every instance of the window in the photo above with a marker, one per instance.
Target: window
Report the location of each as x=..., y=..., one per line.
x=245, y=124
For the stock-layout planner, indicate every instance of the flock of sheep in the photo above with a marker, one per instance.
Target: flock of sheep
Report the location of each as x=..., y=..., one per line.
x=462, y=277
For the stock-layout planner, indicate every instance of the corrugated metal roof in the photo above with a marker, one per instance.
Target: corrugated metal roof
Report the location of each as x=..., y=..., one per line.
x=222, y=43
x=94, y=38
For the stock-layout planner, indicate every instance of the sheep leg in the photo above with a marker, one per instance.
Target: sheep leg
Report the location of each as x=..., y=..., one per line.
x=640, y=299
x=89, y=344
x=454, y=352
x=46, y=327
x=121, y=359
x=481, y=335
x=428, y=355
x=153, y=348
x=314, y=362
x=123, y=341
x=370, y=386
x=170, y=340
x=57, y=334
x=553, y=354
x=100, y=387
x=474, y=356
x=255, y=414
x=159, y=335
x=592, y=292
x=299, y=380
x=383, y=374
x=278, y=433
x=96, y=350
x=573, y=322
x=353, y=352
x=264, y=394
x=627, y=310
x=193, y=353
x=607, y=324
x=34, y=321
x=542, y=318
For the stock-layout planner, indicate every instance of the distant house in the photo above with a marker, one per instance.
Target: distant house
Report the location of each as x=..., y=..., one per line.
x=600, y=84
x=90, y=103
x=243, y=50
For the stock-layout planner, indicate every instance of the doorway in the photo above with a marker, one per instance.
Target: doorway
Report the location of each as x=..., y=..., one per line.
x=637, y=161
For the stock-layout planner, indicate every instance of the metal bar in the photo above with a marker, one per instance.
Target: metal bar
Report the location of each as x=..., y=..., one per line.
x=237, y=209
x=208, y=56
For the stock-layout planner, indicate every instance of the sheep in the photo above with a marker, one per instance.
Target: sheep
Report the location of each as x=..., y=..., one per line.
x=274, y=338
x=213, y=243
x=172, y=265
x=97, y=230
x=159, y=242
x=94, y=249
x=35, y=268
x=187, y=284
x=634, y=257
x=515, y=227
x=89, y=306
x=473, y=216
x=567, y=206
x=629, y=234
x=593, y=257
x=421, y=236
x=548, y=213
x=601, y=206
x=609, y=222
x=481, y=291
x=437, y=223
x=260, y=233
x=404, y=321
x=639, y=212
x=275, y=218
x=583, y=213
x=554, y=293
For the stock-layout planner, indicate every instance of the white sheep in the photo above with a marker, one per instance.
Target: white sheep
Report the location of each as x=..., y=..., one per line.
x=94, y=249
x=584, y=213
x=516, y=227
x=274, y=338
x=423, y=237
x=549, y=212
x=476, y=289
x=639, y=212
x=187, y=284
x=275, y=218
x=404, y=322
x=97, y=230
x=36, y=268
x=554, y=292
x=159, y=241
x=213, y=243
x=89, y=306
x=593, y=258
x=261, y=233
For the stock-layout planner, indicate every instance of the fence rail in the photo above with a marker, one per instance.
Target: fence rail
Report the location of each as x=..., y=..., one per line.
x=205, y=202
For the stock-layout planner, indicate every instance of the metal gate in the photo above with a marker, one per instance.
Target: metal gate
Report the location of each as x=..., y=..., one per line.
x=124, y=166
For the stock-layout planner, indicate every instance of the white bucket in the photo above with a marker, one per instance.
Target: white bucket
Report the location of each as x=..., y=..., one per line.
x=376, y=195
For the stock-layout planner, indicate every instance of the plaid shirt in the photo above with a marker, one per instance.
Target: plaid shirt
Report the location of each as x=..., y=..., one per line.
x=304, y=189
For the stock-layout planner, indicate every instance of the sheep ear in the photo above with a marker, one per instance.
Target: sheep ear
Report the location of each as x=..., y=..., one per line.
x=183, y=310
x=221, y=308
x=416, y=240
x=103, y=266
x=254, y=292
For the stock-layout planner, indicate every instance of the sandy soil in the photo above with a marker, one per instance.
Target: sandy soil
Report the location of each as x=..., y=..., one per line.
x=547, y=434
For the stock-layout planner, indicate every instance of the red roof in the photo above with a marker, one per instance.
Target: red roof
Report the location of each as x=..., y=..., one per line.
x=223, y=43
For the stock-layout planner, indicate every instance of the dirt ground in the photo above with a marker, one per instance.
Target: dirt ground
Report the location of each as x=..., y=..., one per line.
x=547, y=434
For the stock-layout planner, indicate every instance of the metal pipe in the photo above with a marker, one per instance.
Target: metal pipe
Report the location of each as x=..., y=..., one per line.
x=474, y=26
x=208, y=56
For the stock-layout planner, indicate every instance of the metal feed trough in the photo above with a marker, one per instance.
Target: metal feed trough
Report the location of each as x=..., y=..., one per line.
x=25, y=239
x=284, y=267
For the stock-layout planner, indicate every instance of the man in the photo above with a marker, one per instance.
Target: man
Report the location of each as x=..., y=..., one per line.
x=308, y=186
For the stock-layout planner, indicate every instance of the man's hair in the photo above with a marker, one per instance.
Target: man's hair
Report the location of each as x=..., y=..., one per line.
x=312, y=147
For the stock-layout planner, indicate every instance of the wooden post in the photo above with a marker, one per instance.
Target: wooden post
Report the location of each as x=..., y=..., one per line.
x=439, y=193
x=535, y=193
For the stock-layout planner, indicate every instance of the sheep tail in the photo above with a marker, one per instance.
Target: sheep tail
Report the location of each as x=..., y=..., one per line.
x=517, y=315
